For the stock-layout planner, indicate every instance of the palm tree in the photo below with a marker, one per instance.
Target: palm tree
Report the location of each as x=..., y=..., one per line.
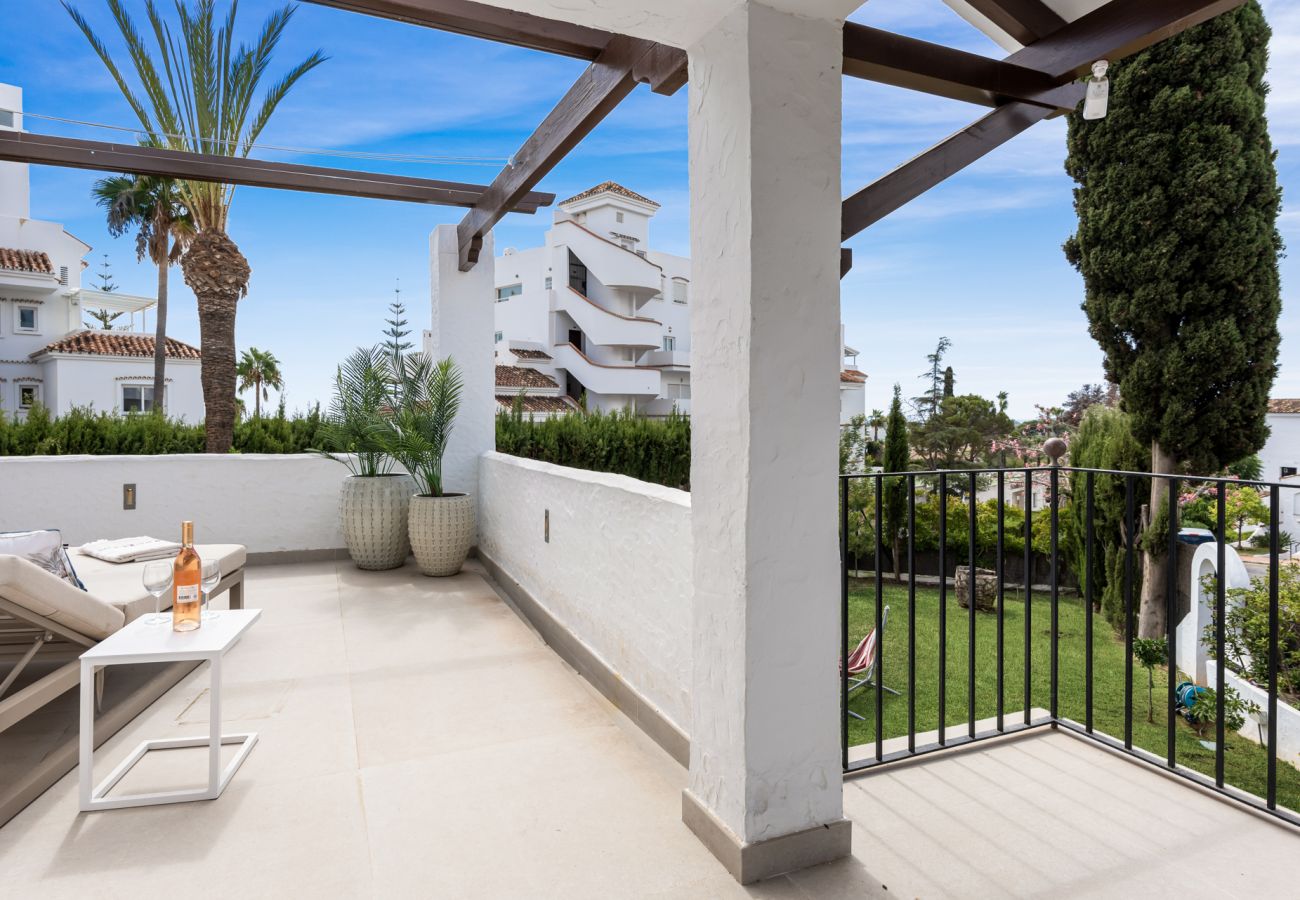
x=259, y=370
x=877, y=422
x=164, y=228
x=199, y=97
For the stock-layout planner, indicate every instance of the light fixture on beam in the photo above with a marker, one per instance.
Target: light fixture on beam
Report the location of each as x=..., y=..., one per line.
x=1097, y=97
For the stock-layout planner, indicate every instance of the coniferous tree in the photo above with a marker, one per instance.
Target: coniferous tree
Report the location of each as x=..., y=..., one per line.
x=897, y=459
x=1177, y=200
x=929, y=402
x=394, y=335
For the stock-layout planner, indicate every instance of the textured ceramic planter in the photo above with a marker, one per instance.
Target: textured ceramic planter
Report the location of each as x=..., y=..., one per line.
x=442, y=530
x=373, y=513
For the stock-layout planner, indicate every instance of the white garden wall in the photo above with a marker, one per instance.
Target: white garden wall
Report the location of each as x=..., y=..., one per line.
x=616, y=572
x=269, y=503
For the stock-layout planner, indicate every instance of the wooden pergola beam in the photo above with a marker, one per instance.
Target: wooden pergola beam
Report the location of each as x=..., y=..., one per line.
x=612, y=76
x=1025, y=20
x=916, y=176
x=918, y=65
x=40, y=149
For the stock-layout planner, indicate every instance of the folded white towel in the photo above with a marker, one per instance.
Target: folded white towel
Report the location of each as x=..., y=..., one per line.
x=133, y=549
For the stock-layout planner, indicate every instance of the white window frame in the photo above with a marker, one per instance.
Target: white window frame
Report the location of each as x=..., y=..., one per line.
x=36, y=396
x=618, y=216
x=496, y=339
x=680, y=291
x=549, y=282
x=141, y=388
x=514, y=291
x=670, y=342
x=18, y=318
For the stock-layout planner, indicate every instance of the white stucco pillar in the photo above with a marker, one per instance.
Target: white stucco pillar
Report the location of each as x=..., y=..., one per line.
x=765, y=787
x=462, y=328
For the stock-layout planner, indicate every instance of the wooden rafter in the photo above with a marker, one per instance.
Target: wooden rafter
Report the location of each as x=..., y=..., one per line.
x=918, y=65
x=1025, y=20
x=16, y=146
x=612, y=76
x=1113, y=31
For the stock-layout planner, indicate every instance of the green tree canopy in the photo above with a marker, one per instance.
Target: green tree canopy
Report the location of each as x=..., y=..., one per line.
x=961, y=433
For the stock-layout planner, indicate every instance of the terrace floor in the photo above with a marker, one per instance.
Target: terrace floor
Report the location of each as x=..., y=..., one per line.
x=418, y=739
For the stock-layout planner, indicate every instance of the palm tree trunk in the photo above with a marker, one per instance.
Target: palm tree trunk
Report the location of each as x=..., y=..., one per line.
x=257, y=399
x=160, y=338
x=1152, y=618
x=218, y=274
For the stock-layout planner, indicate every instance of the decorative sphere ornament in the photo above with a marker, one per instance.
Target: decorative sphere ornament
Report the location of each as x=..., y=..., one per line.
x=1055, y=448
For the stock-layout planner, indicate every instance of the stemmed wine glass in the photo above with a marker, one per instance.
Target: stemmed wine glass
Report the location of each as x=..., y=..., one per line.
x=157, y=580
x=211, y=578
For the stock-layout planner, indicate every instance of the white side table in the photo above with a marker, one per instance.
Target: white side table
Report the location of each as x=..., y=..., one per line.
x=140, y=642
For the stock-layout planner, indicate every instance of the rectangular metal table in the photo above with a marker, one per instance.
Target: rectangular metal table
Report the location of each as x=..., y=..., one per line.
x=140, y=642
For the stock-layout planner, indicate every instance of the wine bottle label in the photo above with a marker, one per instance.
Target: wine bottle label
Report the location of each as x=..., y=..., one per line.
x=187, y=593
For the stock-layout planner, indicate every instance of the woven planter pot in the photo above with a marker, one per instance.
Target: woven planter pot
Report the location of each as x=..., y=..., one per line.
x=373, y=513
x=442, y=530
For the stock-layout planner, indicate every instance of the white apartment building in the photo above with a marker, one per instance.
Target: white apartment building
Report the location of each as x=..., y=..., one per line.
x=47, y=355
x=604, y=315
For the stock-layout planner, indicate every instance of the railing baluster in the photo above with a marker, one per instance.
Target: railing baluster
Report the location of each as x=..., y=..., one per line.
x=1220, y=604
x=1001, y=597
x=943, y=607
x=844, y=619
x=1274, y=553
x=878, y=671
x=970, y=619
x=1171, y=606
x=1029, y=592
x=1089, y=501
x=1130, y=541
x=1055, y=593
x=911, y=614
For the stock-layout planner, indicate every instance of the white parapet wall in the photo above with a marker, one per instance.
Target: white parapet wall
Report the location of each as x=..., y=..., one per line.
x=614, y=569
x=269, y=503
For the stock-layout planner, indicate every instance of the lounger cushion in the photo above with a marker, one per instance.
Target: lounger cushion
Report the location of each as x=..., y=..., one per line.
x=30, y=587
x=120, y=584
x=45, y=548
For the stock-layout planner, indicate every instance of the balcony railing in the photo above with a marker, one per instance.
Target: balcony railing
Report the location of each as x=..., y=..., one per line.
x=1043, y=655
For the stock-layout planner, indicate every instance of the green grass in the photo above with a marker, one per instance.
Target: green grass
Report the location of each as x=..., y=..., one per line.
x=1244, y=760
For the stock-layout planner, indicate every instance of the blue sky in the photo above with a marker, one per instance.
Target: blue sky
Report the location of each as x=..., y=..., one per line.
x=324, y=268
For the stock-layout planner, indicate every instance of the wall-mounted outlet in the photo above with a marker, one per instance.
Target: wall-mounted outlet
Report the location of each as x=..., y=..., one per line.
x=546, y=526
x=128, y=496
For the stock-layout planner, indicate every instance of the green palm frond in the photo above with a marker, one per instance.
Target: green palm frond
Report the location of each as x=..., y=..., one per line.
x=355, y=431
x=422, y=424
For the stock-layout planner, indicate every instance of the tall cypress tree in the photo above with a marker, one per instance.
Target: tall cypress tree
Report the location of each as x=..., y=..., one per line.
x=1177, y=201
x=897, y=459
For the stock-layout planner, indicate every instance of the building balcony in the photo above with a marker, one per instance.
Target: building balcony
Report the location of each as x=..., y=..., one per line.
x=606, y=379
x=601, y=326
x=667, y=360
x=611, y=264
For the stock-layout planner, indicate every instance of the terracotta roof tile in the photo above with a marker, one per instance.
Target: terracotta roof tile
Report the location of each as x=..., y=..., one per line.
x=1284, y=406
x=117, y=343
x=529, y=354
x=853, y=376
x=611, y=187
x=522, y=377
x=535, y=404
x=26, y=261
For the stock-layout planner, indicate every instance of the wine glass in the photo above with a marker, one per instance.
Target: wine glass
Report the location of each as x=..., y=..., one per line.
x=211, y=578
x=157, y=578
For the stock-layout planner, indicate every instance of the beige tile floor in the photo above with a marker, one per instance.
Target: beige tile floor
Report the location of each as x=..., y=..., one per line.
x=418, y=740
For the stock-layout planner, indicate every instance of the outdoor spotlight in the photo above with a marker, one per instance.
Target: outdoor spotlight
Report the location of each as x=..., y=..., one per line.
x=1097, y=97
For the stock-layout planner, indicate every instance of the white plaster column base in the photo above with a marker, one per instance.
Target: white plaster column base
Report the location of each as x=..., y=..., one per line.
x=750, y=862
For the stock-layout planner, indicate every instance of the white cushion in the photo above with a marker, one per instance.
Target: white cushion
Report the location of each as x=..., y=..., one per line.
x=28, y=586
x=120, y=583
x=44, y=548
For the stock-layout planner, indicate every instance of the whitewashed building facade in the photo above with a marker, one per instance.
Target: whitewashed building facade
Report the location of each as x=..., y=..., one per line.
x=48, y=357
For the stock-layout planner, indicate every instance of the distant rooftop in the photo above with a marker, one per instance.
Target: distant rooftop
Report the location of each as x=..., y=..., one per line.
x=609, y=187
x=117, y=343
x=1284, y=405
x=522, y=377
x=26, y=261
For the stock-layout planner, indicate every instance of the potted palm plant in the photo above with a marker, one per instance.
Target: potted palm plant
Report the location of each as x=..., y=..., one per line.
x=374, y=500
x=441, y=523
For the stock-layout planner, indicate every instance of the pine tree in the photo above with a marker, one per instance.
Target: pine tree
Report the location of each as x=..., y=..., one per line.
x=105, y=276
x=103, y=319
x=897, y=459
x=929, y=402
x=949, y=381
x=1177, y=201
x=394, y=335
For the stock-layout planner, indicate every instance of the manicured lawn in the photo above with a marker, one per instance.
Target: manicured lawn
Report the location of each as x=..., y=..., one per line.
x=1244, y=761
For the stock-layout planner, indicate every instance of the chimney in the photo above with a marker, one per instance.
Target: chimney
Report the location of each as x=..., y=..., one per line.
x=15, y=182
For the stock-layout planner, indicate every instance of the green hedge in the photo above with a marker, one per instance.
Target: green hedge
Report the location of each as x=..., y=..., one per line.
x=657, y=450
x=86, y=432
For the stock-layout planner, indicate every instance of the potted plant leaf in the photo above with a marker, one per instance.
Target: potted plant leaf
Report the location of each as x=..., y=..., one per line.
x=441, y=523
x=374, y=500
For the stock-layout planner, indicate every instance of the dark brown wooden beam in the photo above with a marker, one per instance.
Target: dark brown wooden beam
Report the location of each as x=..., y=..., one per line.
x=1025, y=20
x=935, y=69
x=918, y=175
x=846, y=260
x=610, y=78
x=510, y=27
x=1118, y=29
x=72, y=153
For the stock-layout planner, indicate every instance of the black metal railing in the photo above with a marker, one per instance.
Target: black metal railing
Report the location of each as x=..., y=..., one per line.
x=904, y=516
